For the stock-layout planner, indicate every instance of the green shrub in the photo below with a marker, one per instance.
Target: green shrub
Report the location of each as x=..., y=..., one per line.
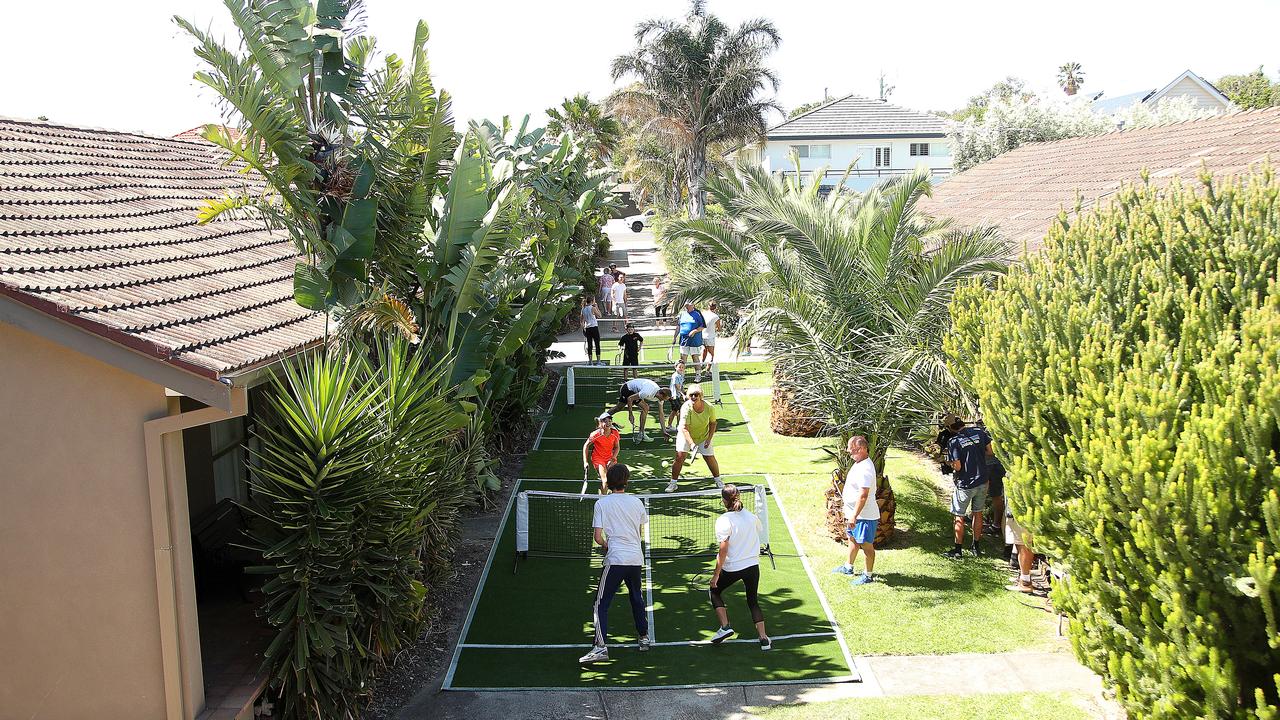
x=1131, y=377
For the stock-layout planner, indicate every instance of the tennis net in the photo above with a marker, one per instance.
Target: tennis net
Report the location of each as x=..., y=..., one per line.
x=681, y=524
x=599, y=385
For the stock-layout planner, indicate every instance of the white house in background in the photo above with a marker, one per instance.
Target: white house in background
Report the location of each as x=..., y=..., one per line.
x=1188, y=84
x=886, y=141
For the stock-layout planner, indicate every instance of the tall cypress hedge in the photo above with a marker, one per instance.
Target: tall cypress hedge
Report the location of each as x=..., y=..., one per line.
x=1130, y=374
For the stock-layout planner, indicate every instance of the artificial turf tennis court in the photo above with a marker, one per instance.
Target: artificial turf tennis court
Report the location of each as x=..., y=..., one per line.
x=530, y=619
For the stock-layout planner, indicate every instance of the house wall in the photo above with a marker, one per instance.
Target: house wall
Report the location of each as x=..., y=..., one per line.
x=78, y=608
x=777, y=157
x=1202, y=98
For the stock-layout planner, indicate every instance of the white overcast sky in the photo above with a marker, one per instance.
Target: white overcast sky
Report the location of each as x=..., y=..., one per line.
x=126, y=66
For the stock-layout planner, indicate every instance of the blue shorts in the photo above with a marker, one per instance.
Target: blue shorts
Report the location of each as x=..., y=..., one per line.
x=691, y=341
x=863, y=532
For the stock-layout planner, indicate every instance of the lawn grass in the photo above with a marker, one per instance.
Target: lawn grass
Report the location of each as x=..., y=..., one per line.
x=926, y=604
x=1002, y=706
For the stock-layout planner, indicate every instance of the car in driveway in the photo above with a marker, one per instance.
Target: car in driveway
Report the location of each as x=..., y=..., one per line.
x=638, y=223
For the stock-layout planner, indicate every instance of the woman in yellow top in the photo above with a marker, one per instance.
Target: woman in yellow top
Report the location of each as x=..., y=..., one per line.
x=696, y=429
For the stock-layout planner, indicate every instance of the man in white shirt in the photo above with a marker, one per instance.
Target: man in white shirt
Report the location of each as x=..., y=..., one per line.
x=712, y=318
x=620, y=296
x=738, y=532
x=618, y=524
x=861, y=513
x=641, y=391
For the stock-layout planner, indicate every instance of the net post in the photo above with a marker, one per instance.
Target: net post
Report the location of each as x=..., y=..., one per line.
x=715, y=383
x=569, y=385
x=522, y=523
x=761, y=493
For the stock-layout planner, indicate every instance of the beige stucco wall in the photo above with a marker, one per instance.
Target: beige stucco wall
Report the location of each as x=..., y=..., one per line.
x=79, y=635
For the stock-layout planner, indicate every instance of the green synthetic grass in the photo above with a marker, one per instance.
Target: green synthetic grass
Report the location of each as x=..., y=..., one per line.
x=547, y=601
x=925, y=604
x=1002, y=706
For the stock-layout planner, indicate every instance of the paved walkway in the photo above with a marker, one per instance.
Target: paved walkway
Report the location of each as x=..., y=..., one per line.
x=884, y=676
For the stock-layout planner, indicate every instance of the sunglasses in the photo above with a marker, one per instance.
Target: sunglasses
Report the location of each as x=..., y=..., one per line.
x=695, y=394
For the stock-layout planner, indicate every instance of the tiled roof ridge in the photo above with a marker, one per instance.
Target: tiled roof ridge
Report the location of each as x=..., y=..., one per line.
x=53, y=216
x=161, y=279
x=93, y=173
x=96, y=201
x=248, y=180
x=181, y=298
x=232, y=337
x=806, y=113
x=102, y=231
x=135, y=327
x=148, y=261
x=1157, y=126
x=48, y=142
x=202, y=144
x=877, y=103
x=127, y=246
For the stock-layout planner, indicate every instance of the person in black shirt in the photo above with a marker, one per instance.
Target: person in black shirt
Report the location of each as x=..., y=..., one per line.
x=967, y=452
x=631, y=344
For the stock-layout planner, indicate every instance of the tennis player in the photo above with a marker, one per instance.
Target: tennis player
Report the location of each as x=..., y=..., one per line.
x=738, y=532
x=696, y=429
x=618, y=525
x=689, y=327
x=601, y=448
x=640, y=391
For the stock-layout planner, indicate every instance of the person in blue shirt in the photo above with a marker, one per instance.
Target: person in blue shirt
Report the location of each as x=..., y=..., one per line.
x=689, y=327
x=967, y=452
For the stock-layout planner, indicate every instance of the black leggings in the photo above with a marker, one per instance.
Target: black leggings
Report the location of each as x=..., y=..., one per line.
x=593, y=339
x=750, y=577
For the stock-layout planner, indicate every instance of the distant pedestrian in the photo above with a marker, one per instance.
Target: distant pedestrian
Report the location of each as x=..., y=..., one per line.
x=631, y=343
x=591, y=328
x=660, y=302
x=861, y=512
x=1020, y=539
x=620, y=295
x=712, y=318
x=617, y=524
x=968, y=452
x=606, y=291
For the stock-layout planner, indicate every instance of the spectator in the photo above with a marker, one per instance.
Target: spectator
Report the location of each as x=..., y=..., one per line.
x=861, y=512
x=620, y=295
x=967, y=452
x=995, y=492
x=631, y=343
x=591, y=328
x=712, y=319
x=689, y=327
x=660, y=303
x=606, y=291
x=1020, y=539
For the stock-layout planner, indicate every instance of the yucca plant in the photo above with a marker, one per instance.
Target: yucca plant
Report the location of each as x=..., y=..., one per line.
x=349, y=475
x=1131, y=376
x=851, y=292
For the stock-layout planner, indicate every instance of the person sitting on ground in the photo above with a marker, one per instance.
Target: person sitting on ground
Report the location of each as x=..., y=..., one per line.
x=1020, y=539
x=738, y=532
x=696, y=429
x=631, y=343
x=591, y=328
x=861, y=512
x=601, y=448
x=640, y=391
x=617, y=525
x=968, y=452
x=620, y=295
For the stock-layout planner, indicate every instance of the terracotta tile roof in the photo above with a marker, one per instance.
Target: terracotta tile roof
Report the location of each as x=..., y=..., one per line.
x=1023, y=190
x=197, y=133
x=98, y=228
x=854, y=116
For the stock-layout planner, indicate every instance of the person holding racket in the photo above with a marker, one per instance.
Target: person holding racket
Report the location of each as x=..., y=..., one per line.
x=600, y=451
x=694, y=433
x=738, y=532
x=617, y=524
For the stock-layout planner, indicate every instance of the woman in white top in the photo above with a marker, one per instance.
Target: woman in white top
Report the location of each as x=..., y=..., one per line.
x=660, y=302
x=709, y=336
x=739, y=559
x=620, y=296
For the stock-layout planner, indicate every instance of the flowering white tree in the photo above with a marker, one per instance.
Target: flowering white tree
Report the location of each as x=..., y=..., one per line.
x=1013, y=121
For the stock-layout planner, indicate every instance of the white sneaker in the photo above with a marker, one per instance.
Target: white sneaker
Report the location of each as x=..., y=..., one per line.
x=669, y=431
x=671, y=487
x=766, y=644
x=719, y=483
x=645, y=644
x=641, y=437
x=722, y=634
x=597, y=654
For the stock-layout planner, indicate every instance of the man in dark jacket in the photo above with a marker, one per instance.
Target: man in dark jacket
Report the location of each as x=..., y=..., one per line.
x=967, y=452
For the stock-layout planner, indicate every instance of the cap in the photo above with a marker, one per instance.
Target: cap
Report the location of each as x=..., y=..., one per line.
x=604, y=416
x=951, y=422
x=688, y=302
x=694, y=388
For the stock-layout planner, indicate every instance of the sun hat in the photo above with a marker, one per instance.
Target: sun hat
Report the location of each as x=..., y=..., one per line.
x=951, y=422
x=604, y=416
x=694, y=388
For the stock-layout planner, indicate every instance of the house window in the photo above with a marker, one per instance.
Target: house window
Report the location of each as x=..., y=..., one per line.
x=921, y=149
x=801, y=151
x=820, y=152
x=882, y=157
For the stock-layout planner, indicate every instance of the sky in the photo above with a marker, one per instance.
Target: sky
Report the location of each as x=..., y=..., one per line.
x=126, y=66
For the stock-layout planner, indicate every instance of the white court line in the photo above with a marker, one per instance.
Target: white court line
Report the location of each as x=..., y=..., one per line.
x=550, y=413
x=669, y=643
x=745, y=419
x=629, y=688
x=804, y=560
x=475, y=598
x=648, y=574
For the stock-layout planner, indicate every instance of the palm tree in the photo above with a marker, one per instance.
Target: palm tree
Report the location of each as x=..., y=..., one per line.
x=702, y=80
x=595, y=128
x=851, y=292
x=1070, y=77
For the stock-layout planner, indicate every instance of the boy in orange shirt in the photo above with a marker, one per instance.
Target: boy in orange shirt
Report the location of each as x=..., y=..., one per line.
x=601, y=449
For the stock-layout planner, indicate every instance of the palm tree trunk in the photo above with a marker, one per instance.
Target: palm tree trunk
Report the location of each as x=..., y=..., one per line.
x=697, y=179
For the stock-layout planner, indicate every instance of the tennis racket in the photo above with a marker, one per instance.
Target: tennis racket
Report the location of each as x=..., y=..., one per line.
x=586, y=473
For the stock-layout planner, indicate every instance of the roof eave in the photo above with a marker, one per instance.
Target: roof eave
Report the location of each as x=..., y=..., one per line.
x=857, y=136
